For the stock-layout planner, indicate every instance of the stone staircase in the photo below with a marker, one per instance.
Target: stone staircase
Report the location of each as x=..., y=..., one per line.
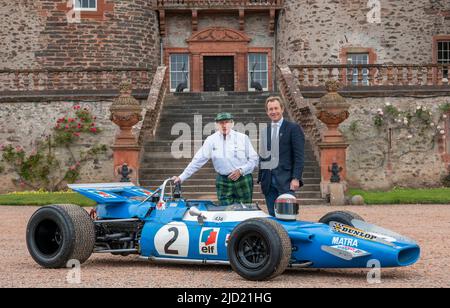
x=158, y=163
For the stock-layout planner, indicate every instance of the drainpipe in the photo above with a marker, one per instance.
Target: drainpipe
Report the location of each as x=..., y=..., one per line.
x=275, y=54
x=161, y=52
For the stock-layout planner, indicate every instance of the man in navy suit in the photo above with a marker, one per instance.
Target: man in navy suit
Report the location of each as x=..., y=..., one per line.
x=281, y=167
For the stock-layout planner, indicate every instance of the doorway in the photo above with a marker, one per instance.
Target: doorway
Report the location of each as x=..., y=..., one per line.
x=218, y=72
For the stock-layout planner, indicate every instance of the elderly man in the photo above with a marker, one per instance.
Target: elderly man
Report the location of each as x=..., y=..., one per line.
x=234, y=160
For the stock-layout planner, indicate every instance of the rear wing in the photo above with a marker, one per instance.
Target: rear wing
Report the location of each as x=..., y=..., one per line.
x=110, y=193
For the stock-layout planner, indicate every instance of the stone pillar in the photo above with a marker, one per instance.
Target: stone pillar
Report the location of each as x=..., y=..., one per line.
x=197, y=85
x=333, y=110
x=126, y=112
x=241, y=72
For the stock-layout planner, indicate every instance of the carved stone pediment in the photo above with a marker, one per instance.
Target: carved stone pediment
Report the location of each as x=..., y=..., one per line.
x=218, y=35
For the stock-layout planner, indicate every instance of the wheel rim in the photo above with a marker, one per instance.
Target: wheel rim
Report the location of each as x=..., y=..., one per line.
x=48, y=237
x=253, y=251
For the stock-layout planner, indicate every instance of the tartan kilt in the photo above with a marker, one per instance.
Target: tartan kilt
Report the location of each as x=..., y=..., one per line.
x=230, y=192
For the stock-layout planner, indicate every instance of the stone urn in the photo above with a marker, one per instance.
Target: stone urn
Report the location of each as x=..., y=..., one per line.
x=333, y=110
x=125, y=113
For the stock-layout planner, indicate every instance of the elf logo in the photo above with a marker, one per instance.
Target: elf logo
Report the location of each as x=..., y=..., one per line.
x=208, y=241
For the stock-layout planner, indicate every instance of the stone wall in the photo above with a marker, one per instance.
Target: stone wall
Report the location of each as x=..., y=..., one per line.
x=413, y=159
x=24, y=123
x=179, y=27
x=43, y=34
x=316, y=31
x=20, y=28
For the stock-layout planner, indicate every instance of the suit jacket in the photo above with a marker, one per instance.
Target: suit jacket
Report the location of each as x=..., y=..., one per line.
x=291, y=158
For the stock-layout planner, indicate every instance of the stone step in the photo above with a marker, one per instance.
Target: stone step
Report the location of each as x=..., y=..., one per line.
x=201, y=176
x=169, y=141
x=190, y=120
x=151, y=157
x=209, y=102
x=303, y=193
x=151, y=164
x=166, y=149
x=170, y=169
x=154, y=182
x=236, y=112
x=219, y=95
x=256, y=199
x=211, y=106
x=214, y=108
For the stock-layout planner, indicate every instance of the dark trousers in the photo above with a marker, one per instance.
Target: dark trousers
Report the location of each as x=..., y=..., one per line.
x=273, y=194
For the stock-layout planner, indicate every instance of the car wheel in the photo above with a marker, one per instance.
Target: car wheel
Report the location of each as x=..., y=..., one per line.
x=59, y=233
x=344, y=217
x=259, y=249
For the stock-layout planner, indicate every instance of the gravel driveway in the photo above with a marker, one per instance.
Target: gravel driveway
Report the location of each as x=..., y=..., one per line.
x=428, y=224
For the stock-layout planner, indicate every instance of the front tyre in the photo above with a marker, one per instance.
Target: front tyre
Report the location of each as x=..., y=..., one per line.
x=343, y=217
x=259, y=249
x=59, y=233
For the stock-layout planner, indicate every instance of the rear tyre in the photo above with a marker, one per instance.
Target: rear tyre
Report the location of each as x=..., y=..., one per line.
x=343, y=217
x=259, y=249
x=59, y=233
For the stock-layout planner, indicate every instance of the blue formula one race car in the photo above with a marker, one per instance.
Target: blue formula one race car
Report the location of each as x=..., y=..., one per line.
x=161, y=226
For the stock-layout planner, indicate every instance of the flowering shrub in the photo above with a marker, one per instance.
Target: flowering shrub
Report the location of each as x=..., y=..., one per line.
x=41, y=169
x=68, y=129
x=418, y=121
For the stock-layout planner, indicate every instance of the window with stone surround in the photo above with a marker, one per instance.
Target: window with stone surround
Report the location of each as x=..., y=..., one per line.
x=85, y=5
x=355, y=59
x=258, y=70
x=443, y=54
x=179, y=71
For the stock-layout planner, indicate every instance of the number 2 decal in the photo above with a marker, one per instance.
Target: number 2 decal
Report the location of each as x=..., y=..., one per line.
x=172, y=240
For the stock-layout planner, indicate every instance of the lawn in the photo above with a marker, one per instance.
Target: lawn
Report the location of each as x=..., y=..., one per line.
x=405, y=196
x=45, y=199
x=396, y=196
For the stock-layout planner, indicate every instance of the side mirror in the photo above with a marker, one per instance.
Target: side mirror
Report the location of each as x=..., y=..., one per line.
x=194, y=211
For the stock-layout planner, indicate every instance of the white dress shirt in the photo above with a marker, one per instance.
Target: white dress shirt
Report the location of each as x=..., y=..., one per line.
x=236, y=152
x=277, y=126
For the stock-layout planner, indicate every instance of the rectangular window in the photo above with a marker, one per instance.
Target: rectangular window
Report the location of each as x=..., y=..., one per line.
x=443, y=56
x=85, y=5
x=179, y=72
x=355, y=59
x=258, y=71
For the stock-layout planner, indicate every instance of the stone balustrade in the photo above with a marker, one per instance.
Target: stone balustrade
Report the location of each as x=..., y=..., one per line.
x=73, y=79
x=300, y=110
x=153, y=105
x=183, y=4
x=373, y=74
